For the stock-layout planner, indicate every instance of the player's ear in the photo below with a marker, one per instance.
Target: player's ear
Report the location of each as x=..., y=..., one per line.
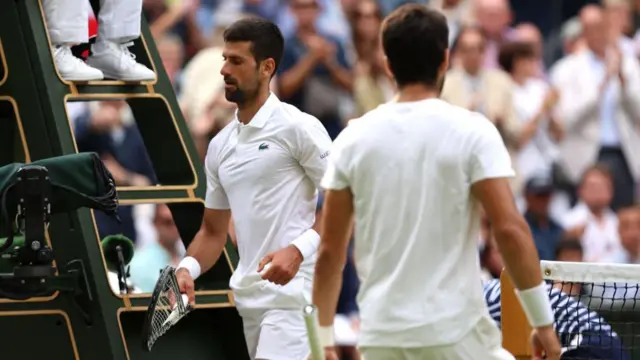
x=387, y=68
x=268, y=67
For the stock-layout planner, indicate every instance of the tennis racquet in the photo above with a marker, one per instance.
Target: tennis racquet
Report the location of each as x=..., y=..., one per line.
x=164, y=311
x=310, y=314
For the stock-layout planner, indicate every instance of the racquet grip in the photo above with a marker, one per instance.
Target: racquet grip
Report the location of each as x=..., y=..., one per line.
x=311, y=322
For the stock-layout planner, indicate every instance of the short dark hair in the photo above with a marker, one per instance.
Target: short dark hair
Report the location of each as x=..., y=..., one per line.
x=514, y=51
x=568, y=244
x=415, y=39
x=266, y=39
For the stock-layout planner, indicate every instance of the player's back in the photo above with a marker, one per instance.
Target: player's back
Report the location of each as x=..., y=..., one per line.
x=416, y=230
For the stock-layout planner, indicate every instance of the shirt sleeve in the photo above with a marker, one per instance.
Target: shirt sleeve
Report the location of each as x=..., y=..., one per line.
x=489, y=157
x=336, y=176
x=216, y=197
x=312, y=148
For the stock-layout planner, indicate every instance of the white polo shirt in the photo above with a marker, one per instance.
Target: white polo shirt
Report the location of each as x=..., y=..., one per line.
x=268, y=172
x=410, y=167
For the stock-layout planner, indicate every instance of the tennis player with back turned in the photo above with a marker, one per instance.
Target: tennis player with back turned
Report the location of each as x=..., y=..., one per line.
x=264, y=168
x=413, y=172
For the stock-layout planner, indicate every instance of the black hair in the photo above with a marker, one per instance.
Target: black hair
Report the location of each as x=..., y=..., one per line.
x=266, y=39
x=568, y=244
x=415, y=40
x=514, y=51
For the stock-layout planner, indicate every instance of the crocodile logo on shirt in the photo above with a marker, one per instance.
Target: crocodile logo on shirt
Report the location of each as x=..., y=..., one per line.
x=263, y=146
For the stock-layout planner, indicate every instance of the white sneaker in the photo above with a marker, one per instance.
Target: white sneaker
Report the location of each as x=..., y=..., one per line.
x=72, y=68
x=117, y=62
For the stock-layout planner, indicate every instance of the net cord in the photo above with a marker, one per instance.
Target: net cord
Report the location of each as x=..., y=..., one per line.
x=589, y=272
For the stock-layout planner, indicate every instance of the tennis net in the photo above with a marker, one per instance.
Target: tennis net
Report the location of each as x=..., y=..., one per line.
x=597, y=315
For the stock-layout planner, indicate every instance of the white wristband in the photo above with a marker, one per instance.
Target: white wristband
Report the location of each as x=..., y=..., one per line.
x=325, y=335
x=192, y=265
x=536, y=305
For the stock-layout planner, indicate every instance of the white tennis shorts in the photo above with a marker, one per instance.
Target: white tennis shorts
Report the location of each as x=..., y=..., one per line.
x=483, y=342
x=275, y=334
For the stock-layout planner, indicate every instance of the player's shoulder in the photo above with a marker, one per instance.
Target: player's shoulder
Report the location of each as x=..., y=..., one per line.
x=221, y=138
x=289, y=117
x=465, y=122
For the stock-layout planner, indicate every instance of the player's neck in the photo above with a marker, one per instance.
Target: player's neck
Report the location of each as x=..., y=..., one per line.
x=417, y=92
x=247, y=111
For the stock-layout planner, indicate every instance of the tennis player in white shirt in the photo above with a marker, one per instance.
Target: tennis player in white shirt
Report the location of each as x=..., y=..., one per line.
x=264, y=168
x=413, y=172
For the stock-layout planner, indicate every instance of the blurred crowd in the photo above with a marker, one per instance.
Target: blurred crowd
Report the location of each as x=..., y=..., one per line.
x=563, y=90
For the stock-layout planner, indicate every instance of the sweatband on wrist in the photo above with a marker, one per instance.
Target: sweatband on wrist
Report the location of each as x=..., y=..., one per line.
x=325, y=336
x=192, y=265
x=307, y=243
x=536, y=305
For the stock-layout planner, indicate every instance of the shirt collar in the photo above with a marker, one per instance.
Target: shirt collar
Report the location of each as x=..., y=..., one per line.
x=263, y=114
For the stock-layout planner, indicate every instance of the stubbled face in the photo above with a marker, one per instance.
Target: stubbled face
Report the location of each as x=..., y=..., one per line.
x=240, y=71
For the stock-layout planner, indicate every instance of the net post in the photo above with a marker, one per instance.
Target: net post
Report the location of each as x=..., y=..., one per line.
x=515, y=327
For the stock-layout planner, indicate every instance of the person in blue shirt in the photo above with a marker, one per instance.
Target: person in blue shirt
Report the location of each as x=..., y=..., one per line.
x=583, y=333
x=314, y=74
x=546, y=232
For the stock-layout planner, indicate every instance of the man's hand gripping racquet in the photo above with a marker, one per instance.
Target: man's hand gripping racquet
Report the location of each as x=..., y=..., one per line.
x=164, y=311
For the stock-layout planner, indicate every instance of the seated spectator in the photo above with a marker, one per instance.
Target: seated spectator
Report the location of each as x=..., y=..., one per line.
x=530, y=34
x=108, y=129
x=314, y=73
x=629, y=231
x=600, y=108
x=569, y=249
x=149, y=260
x=546, y=232
x=494, y=18
x=372, y=86
x=533, y=102
x=592, y=220
x=487, y=91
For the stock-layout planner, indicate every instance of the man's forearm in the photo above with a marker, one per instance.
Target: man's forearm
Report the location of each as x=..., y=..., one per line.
x=327, y=283
x=292, y=80
x=206, y=248
x=519, y=254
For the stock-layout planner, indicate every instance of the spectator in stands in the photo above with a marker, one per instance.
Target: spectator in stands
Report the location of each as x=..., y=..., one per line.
x=178, y=18
x=202, y=99
x=592, y=220
x=487, y=91
x=546, y=232
x=171, y=51
x=529, y=33
x=494, y=18
x=618, y=14
x=571, y=35
x=314, y=72
x=459, y=14
x=372, y=86
x=629, y=231
x=108, y=129
x=600, y=107
x=569, y=249
x=149, y=260
x=533, y=102
x=119, y=24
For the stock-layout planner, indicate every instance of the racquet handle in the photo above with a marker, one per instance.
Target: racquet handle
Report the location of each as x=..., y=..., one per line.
x=311, y=322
